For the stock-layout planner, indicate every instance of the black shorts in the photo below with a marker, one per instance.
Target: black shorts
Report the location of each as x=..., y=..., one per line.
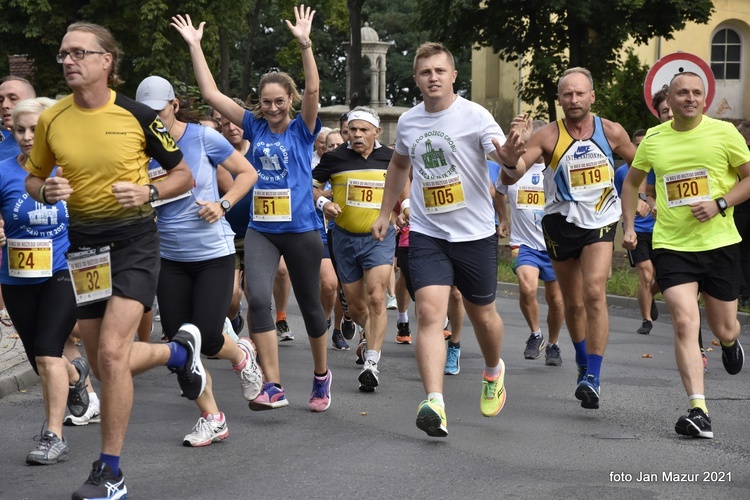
x=643, y=250
x=470, y=265
x=715, y=271
x=135, y=264
x=239, y=254
x=566, y=241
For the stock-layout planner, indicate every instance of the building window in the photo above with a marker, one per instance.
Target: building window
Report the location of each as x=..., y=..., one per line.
x=726, y=47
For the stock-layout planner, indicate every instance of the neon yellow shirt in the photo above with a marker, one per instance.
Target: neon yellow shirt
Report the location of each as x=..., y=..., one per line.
x=690, y=167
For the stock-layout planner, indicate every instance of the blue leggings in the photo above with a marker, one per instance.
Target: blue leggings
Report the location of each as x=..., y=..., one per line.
x=302, y=253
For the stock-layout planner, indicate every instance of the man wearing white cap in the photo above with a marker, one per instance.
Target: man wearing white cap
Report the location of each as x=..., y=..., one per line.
x=357, y=176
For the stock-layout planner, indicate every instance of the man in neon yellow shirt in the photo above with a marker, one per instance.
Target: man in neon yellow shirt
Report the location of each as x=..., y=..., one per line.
x=696, y=160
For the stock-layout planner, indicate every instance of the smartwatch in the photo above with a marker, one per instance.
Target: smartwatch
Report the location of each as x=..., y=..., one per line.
x=153, y=193
x=225, y=205
x=722, y=203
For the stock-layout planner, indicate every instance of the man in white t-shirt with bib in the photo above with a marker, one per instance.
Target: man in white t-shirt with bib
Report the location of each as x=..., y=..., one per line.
x=452, y=240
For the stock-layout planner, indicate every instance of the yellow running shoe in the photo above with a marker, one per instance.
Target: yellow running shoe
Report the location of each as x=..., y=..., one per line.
x=493, y=393
x=431, y=418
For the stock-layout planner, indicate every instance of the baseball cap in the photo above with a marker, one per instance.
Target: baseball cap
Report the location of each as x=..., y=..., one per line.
x=155, y=92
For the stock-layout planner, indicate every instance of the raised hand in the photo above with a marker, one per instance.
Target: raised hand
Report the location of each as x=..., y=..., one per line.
x=185, y=26
x=303, y=23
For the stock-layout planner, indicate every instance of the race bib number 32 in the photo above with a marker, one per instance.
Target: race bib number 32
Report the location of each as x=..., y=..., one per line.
x=91, y=274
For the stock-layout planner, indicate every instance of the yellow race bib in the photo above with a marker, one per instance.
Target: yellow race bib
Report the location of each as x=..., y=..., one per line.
x=30, y=258
x=91, y=274
x=687, y=187
x=272, y=205
x=443, y=195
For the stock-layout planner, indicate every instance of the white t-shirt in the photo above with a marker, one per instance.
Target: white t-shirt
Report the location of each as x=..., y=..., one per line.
x=527, y=198
x=450, y=192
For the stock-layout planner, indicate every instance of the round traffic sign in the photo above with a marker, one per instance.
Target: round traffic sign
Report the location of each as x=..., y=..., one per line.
x=663, y=70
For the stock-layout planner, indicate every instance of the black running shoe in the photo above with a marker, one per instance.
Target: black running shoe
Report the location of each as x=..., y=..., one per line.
x=102, y=484
x=534, y=346
x=733, y=357
x=78, y=396
x=192, y=376
x=348, y=328
x=645, y=328
x=654, y=310
x=695, y=424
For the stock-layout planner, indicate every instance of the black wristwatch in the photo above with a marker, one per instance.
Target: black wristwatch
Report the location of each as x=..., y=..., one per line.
x=153, y=193
x=722, y=204
x=643, y=197
x=225, y=205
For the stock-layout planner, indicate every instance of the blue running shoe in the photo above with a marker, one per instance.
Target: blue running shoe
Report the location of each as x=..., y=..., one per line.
x=588, y=392
x=581, y=373
x=452, y=361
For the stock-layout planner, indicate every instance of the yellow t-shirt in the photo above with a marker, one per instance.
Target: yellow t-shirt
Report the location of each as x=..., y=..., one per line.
x=691, y=167
x=357, y=184
x=98, y=147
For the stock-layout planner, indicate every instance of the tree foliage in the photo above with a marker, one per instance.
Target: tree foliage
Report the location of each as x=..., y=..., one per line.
x=556, y=34
x=621, y=98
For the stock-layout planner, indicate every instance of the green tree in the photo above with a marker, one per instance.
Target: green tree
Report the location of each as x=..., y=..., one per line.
x=622, y=96
x=400, y=28
x=556, y=34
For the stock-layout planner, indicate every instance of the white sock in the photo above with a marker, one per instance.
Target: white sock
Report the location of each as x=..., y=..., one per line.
x=374, y=356
x=445, y=325
x=403, y=317
x=537, y=333
x=437, y=397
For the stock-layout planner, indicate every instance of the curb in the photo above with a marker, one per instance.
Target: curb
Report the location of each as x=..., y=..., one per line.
x=18, y=378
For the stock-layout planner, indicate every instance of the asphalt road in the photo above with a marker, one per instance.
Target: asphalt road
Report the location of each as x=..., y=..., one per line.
x=542, y=445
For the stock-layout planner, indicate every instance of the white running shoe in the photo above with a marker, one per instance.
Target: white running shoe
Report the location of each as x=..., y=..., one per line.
x=251, y=376
x=90, y=417
x=229, y=330
x=207, y=431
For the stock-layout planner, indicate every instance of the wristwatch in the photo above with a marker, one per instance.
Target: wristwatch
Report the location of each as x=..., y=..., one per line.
x=153, y=193
x=643, y=197
x=225, y=205
x=722, y=203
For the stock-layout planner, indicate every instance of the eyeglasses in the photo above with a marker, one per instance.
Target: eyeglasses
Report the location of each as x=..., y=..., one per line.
x=76, y=55
x=266, y=103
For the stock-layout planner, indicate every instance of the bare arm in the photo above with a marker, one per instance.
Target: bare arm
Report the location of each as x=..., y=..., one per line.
x=629, y=200
x=500, y=203
x=210, y=92
x=301, y=32
x=395, y=180
x=245, y=177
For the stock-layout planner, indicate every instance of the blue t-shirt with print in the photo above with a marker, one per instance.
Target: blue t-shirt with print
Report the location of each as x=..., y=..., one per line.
x=28, y=219
x=283, y=164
